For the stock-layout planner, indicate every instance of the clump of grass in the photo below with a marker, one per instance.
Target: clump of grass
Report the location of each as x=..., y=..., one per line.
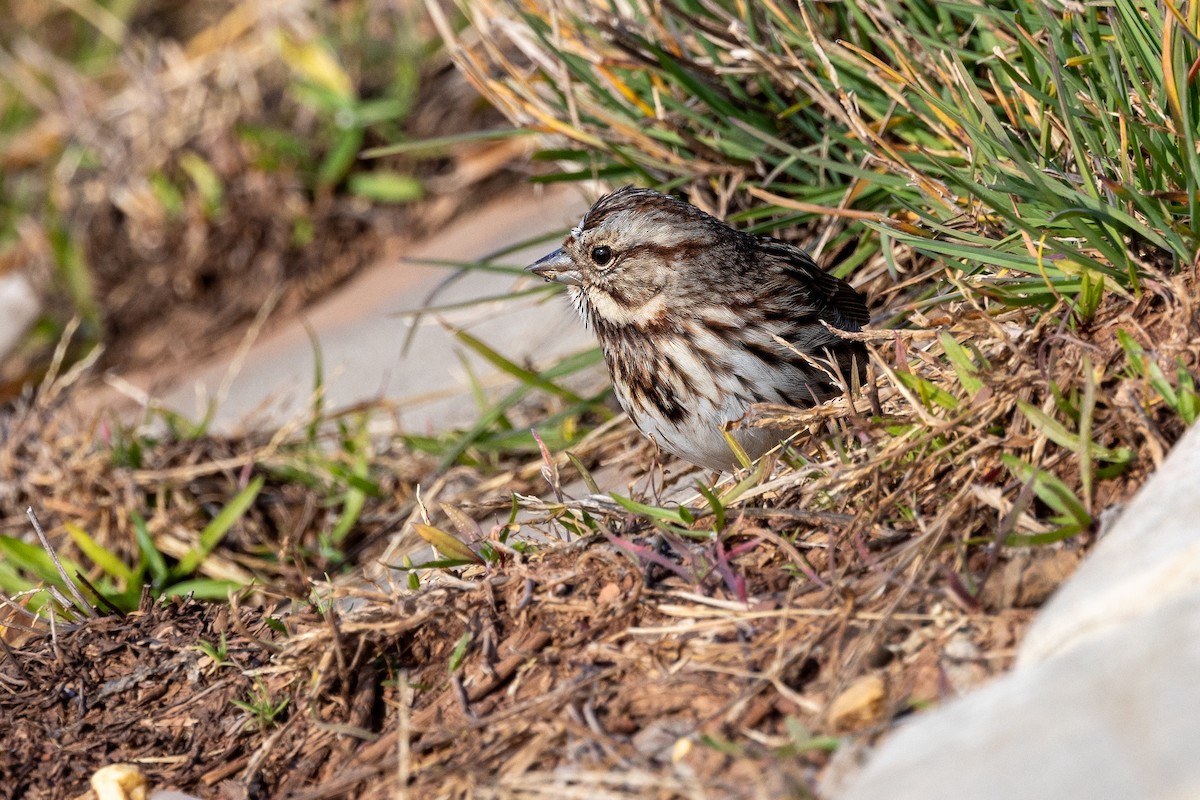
x=132, y=515
x=1048, y=151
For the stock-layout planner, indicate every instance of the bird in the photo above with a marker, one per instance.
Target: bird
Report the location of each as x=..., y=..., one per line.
x=698, y=321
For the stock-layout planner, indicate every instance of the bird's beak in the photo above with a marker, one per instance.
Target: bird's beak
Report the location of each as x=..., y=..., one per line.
x=557, y=267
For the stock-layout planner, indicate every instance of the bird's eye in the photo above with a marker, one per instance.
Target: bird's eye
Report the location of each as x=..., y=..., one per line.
x=602, y=254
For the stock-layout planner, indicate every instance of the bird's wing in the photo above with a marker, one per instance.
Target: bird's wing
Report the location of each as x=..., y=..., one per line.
x=844, y=300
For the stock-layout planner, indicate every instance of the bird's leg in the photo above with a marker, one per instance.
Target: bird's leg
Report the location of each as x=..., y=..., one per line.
x=656, y=488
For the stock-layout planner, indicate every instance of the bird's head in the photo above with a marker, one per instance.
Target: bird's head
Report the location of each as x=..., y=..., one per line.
x=630, y=252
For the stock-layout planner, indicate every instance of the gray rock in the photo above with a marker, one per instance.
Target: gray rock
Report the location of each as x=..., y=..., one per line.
x=1150, y=555
x=1103, y=700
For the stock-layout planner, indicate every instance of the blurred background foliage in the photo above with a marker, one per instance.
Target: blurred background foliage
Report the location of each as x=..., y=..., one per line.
x=169, y=170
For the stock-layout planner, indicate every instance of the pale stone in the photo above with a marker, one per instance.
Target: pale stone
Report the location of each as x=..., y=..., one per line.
x=1113, y=717
x=1151, y=554
x=361, y=333
x=1102, y=702
x=119, y=782
x=609, y=594
x=860, y=704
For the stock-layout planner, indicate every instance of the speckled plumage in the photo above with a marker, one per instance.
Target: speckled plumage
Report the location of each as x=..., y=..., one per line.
x=686, y=309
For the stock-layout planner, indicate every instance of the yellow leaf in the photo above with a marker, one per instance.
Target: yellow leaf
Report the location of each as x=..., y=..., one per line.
x=446, y=544
x=316, y=63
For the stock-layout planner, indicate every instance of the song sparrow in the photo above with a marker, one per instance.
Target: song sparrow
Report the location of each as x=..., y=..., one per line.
x=687, y=309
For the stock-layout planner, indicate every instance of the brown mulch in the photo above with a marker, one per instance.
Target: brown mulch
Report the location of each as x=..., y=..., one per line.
x=582, y=679
x=133, y=688
x=572, y=661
